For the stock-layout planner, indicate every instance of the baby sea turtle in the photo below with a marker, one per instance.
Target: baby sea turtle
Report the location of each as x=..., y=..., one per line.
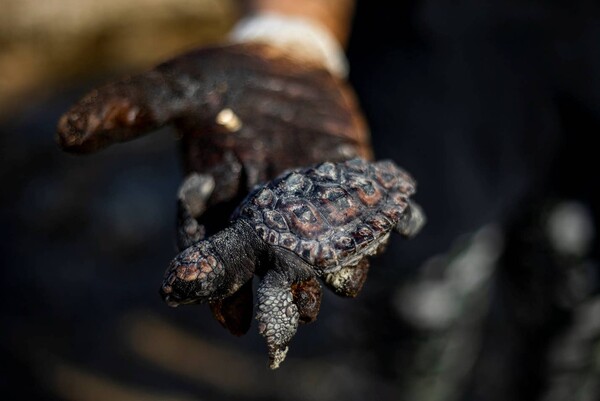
x=322, y=221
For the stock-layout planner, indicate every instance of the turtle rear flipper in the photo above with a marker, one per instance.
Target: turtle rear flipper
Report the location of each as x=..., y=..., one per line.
x=349, y=280
x=277, y=315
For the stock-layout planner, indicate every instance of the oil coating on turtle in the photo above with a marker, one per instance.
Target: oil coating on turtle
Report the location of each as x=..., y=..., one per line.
x=323, y=221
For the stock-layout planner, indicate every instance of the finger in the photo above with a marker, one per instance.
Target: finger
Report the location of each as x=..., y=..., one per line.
x=119, y=112
x=235, y=312
x=192, y=201
x=189, y=231
x=307, y=298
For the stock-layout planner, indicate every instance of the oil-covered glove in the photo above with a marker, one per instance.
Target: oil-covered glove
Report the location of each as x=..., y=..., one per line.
x=245, y=112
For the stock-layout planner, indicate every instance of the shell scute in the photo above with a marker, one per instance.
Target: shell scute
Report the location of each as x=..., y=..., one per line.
x=336, y=205
x=387, y=178
x=303, y=218
x=264, y=197
x=327, y=171
x=379, y=224
x=399, y=199
x=325, y=255
x=289, y=241
x=273, y=237
x=295, y=184
x=262, y=231
x=369, y=192
x=363, y=235
x=344, y=245
x=391, y=211
x=359, y=166
x=308, y=250
x=274, y=219
x=251, y=213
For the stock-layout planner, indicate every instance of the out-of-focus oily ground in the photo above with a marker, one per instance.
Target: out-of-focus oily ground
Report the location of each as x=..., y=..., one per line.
x=85, y=241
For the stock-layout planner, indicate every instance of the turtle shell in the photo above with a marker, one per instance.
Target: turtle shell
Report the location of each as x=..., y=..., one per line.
x=332, y=214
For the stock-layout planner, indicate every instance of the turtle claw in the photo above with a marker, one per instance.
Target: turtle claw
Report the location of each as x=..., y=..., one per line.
x=276, y=356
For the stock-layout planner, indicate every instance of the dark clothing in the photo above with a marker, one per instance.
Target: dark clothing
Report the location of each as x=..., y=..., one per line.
x=477, y=99
x=493, y=106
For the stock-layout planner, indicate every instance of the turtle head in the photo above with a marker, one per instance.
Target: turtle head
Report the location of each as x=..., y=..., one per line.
x=195, y=275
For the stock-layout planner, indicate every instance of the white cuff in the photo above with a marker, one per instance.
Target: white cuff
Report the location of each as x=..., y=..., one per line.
x=301, y=37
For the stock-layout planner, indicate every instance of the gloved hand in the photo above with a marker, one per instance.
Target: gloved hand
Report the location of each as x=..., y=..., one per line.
x=245, y=113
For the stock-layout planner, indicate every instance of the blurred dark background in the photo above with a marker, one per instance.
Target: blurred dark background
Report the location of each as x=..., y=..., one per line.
x=493, y=106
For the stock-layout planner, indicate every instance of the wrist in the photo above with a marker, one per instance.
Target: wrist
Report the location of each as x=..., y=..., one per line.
x=335, y=15
x=299, y=36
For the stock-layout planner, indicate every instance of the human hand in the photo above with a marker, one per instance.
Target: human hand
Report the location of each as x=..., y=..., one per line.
x=244, y=112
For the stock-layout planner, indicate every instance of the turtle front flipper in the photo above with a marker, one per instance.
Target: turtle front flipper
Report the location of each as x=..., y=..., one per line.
x=349, y=280
x=235, y=312
x=277, y=315
x=192, y=201
x=412, y=221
